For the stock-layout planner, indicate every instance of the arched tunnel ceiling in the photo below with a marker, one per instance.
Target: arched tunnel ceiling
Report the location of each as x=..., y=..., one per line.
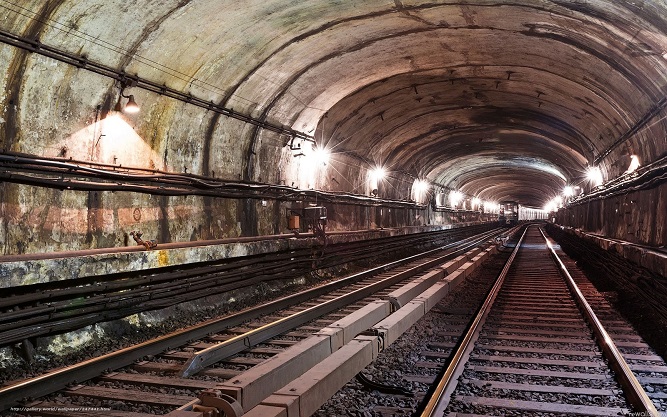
x=501, y=99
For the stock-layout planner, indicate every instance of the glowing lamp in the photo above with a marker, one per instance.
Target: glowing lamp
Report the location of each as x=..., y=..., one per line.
x=634, y=164
x=421, y=186
x=455, y=197
x=378, y=174
x=131, y=106
x=320, y=155
x=594, y=175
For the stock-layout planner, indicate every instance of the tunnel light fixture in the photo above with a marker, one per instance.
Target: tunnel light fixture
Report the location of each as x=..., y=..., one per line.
x=594, y=175
x=554, y=204
x=476, y=202
x=131, y=106
x=634, y=164
x=375, y=177
x=568, y=191
x=421, y=186
x=455, y=198
x=377, y=174
x=420, y=190
x=320, y=155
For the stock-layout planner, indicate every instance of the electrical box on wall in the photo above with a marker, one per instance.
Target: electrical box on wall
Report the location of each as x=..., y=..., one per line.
x=311, y=218
x=315, y=212
x=293, y=222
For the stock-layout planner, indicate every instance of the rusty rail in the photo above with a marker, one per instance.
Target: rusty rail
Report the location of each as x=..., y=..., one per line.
x=13, y=394
x=632, y=389
x=635, y=394
x=447, y=383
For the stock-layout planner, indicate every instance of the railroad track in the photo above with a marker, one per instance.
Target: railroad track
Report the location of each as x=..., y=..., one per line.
x=316, y=322
x=405, y=370
x=31, y=311
x=531, y=355
x=536, y=346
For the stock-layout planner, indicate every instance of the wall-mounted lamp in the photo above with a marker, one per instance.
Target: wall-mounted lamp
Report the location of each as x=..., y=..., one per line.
x=594, y=175
x=455, y=197
x=131, y=106
x=568, y=191
x=634, y=164
x=377, y=174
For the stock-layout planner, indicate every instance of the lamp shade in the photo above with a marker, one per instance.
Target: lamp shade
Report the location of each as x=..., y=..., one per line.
x=131, y=106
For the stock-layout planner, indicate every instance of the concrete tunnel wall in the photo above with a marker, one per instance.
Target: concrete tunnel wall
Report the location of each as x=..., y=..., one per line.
x=489, y=98
x=38, y=220
x=637, y=217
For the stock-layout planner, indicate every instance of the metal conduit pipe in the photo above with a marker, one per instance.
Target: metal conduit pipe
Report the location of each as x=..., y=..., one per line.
x=80, y=61
x=646, y=177
x=161, y=183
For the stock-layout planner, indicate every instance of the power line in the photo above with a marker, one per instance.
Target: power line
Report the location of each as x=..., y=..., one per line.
x=70, y=31
x=81, y=61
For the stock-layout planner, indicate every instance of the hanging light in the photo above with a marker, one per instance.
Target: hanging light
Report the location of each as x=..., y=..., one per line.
x=594, y=175
x=377, y=174
x=634, y=164
x=131, y=106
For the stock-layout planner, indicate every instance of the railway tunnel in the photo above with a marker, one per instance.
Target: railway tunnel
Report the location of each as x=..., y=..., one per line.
x=173, y=160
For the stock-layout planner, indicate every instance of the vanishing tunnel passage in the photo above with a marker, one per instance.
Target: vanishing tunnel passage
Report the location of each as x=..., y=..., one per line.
x=165, y=163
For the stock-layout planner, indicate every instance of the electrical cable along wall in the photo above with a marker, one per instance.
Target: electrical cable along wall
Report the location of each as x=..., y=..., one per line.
x=229, y=126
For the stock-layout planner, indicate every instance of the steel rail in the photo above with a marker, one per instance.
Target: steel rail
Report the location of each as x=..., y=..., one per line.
x=118, y=298
x=239, y=343
x=632, y=389
x=447, y=382
x=13, y=394
x=111, y=299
